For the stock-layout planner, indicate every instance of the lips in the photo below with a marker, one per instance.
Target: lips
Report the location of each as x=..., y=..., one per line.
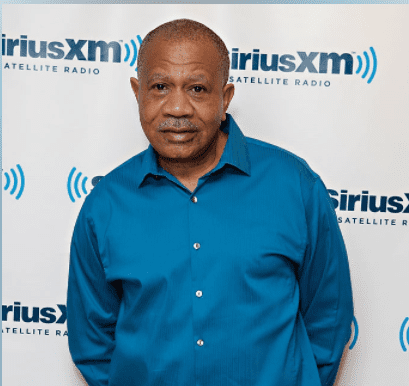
x=178, y=131
x=178, y=136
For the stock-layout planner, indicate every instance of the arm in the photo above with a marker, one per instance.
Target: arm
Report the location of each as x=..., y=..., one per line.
x=325, y=286
x=92, y=306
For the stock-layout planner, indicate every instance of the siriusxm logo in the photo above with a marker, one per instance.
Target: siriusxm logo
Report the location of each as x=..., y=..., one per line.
x=365, y=202
x=135, y=52
x=85, y=50
x=403, y=334
x=34, y=314
x=404, y=337
x=367, y=65
x=290, y=63
x=355, y=333
x=15, y=180
x=313, y=62
x=74, y=184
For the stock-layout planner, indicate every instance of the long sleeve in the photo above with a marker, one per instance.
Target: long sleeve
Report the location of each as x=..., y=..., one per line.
x=325, y=286
x=92, y=306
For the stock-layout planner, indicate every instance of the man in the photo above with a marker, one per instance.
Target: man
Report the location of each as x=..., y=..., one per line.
x=210, y=258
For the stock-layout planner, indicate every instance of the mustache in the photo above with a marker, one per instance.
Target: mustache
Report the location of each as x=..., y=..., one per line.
x=177, y=123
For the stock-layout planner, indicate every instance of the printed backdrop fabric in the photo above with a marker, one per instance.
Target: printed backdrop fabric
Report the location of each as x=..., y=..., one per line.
x=327, y=82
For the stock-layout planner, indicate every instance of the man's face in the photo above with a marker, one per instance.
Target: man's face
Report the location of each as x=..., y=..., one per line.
x=181, y=97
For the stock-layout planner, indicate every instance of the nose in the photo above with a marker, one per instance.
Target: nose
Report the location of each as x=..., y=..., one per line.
x=177, y=104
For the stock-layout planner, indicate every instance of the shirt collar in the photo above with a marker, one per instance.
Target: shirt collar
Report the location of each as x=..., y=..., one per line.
x=235, y=153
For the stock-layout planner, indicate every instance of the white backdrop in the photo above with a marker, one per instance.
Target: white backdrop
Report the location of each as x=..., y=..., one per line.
x=351, y=132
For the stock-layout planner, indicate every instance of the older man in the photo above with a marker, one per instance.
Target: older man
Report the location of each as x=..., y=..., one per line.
x=210, y=258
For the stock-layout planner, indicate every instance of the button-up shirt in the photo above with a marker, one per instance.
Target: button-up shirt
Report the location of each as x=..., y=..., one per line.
x=242, y=282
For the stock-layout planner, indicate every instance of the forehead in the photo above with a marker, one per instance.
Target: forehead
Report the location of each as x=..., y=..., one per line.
x=193, y=58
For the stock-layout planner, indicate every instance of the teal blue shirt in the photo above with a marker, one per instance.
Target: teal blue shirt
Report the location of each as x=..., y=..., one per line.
x=242, y=282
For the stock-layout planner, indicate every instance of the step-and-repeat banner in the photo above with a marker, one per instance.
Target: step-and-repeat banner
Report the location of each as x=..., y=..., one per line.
x=330, y=83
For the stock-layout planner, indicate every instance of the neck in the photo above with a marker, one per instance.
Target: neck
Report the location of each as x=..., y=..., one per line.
x=189, y=171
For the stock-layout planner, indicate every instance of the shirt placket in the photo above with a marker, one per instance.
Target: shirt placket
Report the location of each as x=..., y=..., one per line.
x=198, y=255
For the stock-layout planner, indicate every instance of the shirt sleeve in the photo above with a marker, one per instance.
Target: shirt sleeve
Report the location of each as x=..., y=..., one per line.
x=325, y=286
x=92, y=306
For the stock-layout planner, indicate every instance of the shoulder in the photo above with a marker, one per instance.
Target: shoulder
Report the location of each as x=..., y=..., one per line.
x=123, y=176
x=278, y=161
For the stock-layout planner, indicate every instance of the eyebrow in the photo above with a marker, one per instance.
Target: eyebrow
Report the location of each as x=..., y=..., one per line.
x=160, y=76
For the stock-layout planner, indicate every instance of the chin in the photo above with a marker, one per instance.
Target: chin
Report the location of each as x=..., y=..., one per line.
x=180, y=155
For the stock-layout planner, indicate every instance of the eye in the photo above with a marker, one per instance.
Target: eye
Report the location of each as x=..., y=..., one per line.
x=159, y=86
x=198, y=89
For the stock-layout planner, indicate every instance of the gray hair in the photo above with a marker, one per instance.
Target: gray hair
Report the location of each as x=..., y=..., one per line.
x=186, y=29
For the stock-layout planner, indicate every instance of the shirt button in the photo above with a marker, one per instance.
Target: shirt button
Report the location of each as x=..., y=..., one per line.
x=194, y=199
x=196, y=245
x=199, y=294
x=200, y=342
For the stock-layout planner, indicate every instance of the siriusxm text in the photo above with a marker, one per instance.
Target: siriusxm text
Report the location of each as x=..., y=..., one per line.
x=257, y=61
x=25, y=314
x=366, y=202
x=81, y=49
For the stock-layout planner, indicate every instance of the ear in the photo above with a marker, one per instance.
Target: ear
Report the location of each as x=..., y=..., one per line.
x=228, y=92
x=135, y=87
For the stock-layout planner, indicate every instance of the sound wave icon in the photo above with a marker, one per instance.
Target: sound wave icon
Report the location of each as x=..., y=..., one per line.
x=135, y=52
x=76, y=184
x=356, y=333
x=368, y=65
x=15, y=181
x=402, y=335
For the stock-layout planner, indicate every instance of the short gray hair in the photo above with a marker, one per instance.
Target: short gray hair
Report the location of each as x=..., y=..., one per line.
x=186, y=29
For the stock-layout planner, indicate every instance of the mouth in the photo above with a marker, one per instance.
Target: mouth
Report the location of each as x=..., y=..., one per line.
x=178, y=136
x=178, y=131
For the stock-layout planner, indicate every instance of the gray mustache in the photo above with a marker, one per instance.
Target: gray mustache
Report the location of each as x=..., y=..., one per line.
x=177, y=124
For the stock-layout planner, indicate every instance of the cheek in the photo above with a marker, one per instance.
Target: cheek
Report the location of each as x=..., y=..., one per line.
x=220, y=112
x=149, y=109
x=211, y=109
x=147, y=115
x=218, y=106
x=217, y=112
